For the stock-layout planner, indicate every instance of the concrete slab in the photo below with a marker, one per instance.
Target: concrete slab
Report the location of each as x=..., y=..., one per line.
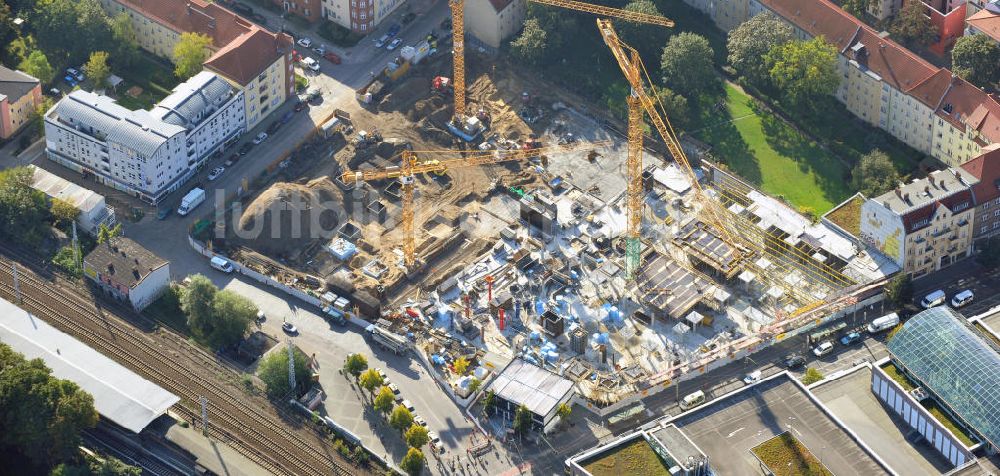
x=726, y=430
x=993, y=322
x=213, y=454
x=850, y=398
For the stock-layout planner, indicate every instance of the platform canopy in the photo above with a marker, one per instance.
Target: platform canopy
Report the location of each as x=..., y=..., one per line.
x=120, y=395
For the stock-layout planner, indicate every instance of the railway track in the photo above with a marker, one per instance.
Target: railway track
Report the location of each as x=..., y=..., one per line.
x=173, y=363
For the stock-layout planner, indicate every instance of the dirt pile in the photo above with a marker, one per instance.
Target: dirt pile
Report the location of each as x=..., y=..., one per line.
x=287, y=217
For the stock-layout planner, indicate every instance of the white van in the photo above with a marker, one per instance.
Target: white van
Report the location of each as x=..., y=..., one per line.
x=962, y=298
x=935, y=298
x=692, y=400
x=883, y=323
x=221, y=264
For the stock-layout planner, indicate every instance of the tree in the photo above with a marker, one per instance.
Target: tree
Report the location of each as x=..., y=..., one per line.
x=805, y=71
x=19, y=49
x=63, y=211
x=912, y=25
x=461, y=364
x=564, y=411
x=644, y=37
x=37, y=117
x=105, y=234
x=874, y=174
x=530, y=46
x=23, y=209
x=196, y=302
x=976, y=58
x=189, y=54
x=370, y=380
x=42, y=415
x=687, y=64
x=97, y=68
x=675, y=106
x=489, y=399
x=273, y=371
x=522, y=419
x=401, y=418
x=858, y=8
x=416, y=436
x=92, y=466
x=474, y=385
x=812, y=376
x=754, y=38
x=70, y=29
x=232, y=315
x=8, y=32
x=355, y=364
x=37, y=65
x=66, y=259
x=384, y=400
x=899, y=289
x=413, y=462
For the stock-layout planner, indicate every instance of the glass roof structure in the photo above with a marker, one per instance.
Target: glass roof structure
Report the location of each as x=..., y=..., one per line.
x=953, y=361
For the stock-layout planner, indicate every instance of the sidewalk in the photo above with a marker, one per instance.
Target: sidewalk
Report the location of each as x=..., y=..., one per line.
x=214, y=454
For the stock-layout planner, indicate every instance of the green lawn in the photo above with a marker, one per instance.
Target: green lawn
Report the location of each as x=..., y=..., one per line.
x=786, y=456
x=894, y=373
x=633, y=458
x=167, y=310
x=156, y=78
x=947, y=422
x=764, y=150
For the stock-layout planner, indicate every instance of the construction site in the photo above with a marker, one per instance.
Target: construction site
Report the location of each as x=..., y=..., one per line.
x=503, y=218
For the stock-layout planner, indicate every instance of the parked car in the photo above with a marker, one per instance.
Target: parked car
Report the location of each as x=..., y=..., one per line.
x=313, y=94
x=435, y=442
x=301, y=105
x=409, y=406
x=409, y=17
x=260, y=138
x=851, y=338
x=962, y=298
x=420, y=420
x=232, y=160
x=320, y=50
x=394, y=388
x=304, y=42
x=310, y=63
x=935, y=298
x=395, y=44
x=215, y=173
x=221, y=264
x=273, y=127
x=794, y=361
x=163, y=213
x=245, y=148
x=76, y=74
x=381, y=41
x=752, y=377
x=692, y=400
x=332, y=57
x=289, y=328
x=393, y=30
x=261, y=317
x=823, y=348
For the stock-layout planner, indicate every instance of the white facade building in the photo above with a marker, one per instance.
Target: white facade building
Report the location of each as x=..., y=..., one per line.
x=127, y=272
x=145, y=153
x=94, y=211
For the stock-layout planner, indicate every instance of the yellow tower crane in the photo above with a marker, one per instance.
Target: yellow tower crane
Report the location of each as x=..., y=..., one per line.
x=744, y=238
x=458, y=30
x=444, y=160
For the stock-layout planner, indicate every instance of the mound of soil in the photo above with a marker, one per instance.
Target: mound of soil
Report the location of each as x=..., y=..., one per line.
x=287, y=217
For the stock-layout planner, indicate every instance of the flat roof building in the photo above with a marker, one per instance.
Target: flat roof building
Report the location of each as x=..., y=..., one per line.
x=521, y=383
x=120, y=395
x=94, y=211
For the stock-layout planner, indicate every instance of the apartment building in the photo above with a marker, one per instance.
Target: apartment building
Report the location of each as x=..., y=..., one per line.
x=20, y=93
x=491, y=22
x=985, y=22
x=924, y=225
x=885, y=84
x=986, y=169
x=360, y=16
x=311, y=10
x=147, y=154
x=126, y=271
x=249, y=57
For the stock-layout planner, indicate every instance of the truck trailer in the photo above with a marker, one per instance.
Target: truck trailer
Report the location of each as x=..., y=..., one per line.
x=387, y=339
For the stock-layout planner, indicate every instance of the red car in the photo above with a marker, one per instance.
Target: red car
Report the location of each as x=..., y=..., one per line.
x=332, y=57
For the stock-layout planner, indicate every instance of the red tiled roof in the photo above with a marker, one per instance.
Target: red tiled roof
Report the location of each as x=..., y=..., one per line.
x=914, y=217
x=241, y=45
x=986, y=168
x=966, y=105
x=986, y=22
x=930, y=90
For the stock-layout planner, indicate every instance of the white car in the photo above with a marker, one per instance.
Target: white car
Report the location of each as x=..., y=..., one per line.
x=420, y=420
x=381, y=41
x=752, y=377
x=260, y=138
x=823, y=348
x=320, y=49
x=304, y=42
x=409, y=406
x=310, y=63
x=215, y=173
x=395, y=44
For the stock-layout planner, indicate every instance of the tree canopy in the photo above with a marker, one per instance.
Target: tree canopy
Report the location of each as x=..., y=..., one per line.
x=384, y=400
x=912, y=25
x=273, y=371
x=23, y=210
x=976, y=58
x=899, y=289
x=522, y=419
x=413, y=462
x=37, y=65
x=401, y=418
x=530, y=46
x=857, y=8
x=92, y=466
x=42, y=415
x=461, y=365
x=189, y=54
x=812, y=376
x=687, y=64
x=97, y=68
x=752, y=40
x=70, y=29
x=416, y=436
x=63, y=212
x=355, y=364
x=216, y=318
x=805, y=71
x=370, y=380
x=874, y=174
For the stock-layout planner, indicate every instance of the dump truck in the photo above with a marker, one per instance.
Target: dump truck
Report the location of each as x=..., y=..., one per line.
x=372, y=92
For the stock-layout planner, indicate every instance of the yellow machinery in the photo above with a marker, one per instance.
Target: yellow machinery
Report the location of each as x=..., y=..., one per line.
x=444, y=160
x=744, y=237
x=458, y=30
